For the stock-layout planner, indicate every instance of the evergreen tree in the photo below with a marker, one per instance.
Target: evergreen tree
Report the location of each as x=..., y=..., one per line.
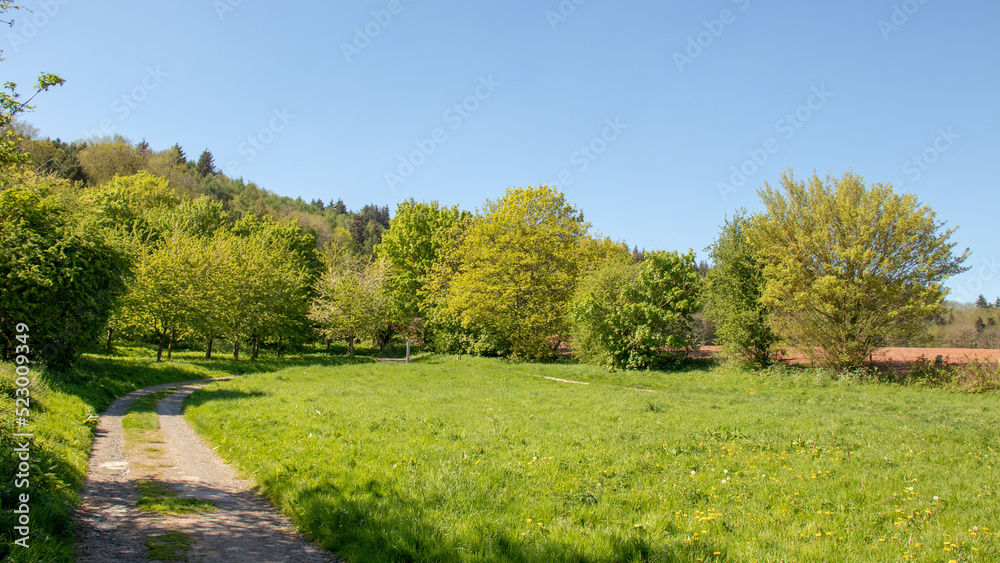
x=206, y=164
x=982, y=303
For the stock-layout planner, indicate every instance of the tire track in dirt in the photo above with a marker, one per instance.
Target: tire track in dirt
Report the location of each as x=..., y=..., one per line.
x=244, y=528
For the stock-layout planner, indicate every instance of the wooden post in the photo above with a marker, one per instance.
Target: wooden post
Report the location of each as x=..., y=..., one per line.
x=407, y=351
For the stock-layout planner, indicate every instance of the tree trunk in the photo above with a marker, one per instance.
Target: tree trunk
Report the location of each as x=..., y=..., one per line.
x=159, y=350
x=350, y=347
x=208, y=352
x=170, y=344
x=328, y=346
x=107, y=346
x=236, y=350
x=254, y=347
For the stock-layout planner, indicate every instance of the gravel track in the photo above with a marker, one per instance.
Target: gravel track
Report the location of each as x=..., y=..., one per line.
x=244, y=528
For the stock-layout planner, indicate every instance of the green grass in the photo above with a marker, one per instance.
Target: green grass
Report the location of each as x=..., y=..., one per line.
x=484, y=460
x=142, y=412
x=155, y=496
x=171, y=546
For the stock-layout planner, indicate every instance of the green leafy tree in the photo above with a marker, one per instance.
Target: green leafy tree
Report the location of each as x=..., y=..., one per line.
x=351, y=301
x=137, y=207
x=59, y=273
x=417, y=236
x=103, y=159
x=735, y=286
x=517, y=268
x=850, y=267
x=263, y=287
x=638, y=316
x=162, y=295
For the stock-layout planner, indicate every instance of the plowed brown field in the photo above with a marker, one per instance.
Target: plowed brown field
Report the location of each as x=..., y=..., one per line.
x=900, y=357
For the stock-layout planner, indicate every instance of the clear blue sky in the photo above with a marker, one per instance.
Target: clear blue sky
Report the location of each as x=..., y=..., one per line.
x=323, y=99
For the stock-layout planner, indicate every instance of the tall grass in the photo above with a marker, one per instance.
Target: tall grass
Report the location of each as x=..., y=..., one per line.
x=482, y=460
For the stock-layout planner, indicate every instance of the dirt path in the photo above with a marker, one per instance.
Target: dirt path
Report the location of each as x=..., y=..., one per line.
x=110, y=528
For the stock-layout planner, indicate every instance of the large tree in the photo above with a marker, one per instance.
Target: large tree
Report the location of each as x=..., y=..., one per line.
x=638, y=315
x=735, y=286
x=850, y=267
x=517, y=268
x=351, y=301
x=59, y=272
x=417, y=237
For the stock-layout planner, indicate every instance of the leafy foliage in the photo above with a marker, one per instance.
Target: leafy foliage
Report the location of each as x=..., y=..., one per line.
x=638, y=316
x=351, y=300
x=420, y=236
x=58, y=270
x=517, y=268
x=850, y=266
x=734, y=289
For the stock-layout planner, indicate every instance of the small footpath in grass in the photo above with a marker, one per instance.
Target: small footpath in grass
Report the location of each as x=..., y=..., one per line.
x=485, y=460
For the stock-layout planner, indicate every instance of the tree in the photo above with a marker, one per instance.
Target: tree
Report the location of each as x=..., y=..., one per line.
x=638, y=316
x=351, y=300
x=264, y=284
x=137, y=207
x=103, y=159
x=517, y=268
x=982, y=303
x=162, y=294
x=178, y=153
x=368, y=226
x=850, y=267
x=734, y=290
x=417, y=236
x=206, y=164
x=59, y=272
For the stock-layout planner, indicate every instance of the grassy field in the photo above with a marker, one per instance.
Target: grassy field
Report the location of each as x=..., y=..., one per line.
x=483, y=460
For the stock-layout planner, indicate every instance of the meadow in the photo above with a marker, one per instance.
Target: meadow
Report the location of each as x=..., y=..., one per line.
x=477, y=459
